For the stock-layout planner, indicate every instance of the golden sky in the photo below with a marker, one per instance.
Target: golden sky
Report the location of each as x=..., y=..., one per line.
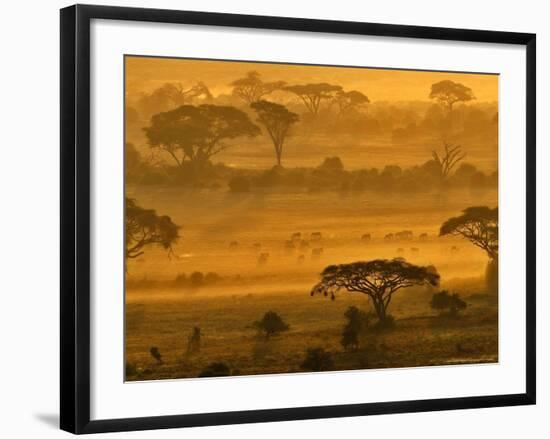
x=143, y=74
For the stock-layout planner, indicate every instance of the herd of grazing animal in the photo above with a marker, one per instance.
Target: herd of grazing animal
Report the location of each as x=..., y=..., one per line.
x=302, y=245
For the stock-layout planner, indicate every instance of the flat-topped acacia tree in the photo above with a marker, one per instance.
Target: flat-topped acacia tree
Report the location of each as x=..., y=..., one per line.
x=196, y=133
x=144, y=227
x=477, y=224
x=312, y=94
x=379, y=279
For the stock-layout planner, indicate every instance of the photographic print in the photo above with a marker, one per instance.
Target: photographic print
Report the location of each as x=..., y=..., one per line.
x=286, y=218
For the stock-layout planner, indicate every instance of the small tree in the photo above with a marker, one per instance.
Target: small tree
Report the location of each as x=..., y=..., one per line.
x=446, y=303
x=379, y=279
x=155, y=353
x=349, y=100
x=358, y=322
x=477, y=224
x=317, y=360
x=312, y=94
x=196, y=133
x=449, y=93
x=251, y=88
x=448, y=159
x=277, y=120
x=143, y=227
x=271, y=324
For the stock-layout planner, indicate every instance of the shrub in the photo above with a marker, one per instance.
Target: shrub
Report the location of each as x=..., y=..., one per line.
x=332, y=164
x=317, y=360
x=449, y=304
x=130, y=369
x=217, y=369
x=239, y=184
x=387, y=323
x=358, y=321
x=271, y=324
x=196, y=279
x=155, y=353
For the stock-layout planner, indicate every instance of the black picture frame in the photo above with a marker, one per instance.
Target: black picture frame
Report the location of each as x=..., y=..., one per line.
x=75, y=217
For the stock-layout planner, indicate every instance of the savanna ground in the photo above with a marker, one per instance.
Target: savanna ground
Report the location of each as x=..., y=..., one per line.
x=162, y=313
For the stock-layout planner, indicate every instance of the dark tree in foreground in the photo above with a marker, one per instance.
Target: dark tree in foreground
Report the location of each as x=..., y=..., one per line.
x=217, y=369
x=271, y=324
x=449, y=93
x=358, y=322
x=448, y=159
x=477, y=224
x=312, y=94
x=317, y=360
x=144, y=227
x=379, y=279
x=277, y=120
x=252, y=88
x=155, y=353
x=446, y=302
x=196, y=133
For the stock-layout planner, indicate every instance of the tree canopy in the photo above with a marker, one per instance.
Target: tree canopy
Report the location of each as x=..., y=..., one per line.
x=144, y=227
x=196, y=133
x=477, y=224
x=252, y=88
x=277, y=120
x=348, y=100
x=449, y=93
x=313, y=94
x=171, y=95
x=271, y=324
x=379, y=279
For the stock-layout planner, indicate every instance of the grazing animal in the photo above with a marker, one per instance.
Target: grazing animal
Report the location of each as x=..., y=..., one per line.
x=194, y=341
x=296, y=236
x=388, y=237
x=263, y=258
x=301, y=259
x=233, y=245
x=366, y=237
x=316, y=252
x=423, y=237
x=405, y=235
x=415, y=249
x=304, y=244
x=316, y=236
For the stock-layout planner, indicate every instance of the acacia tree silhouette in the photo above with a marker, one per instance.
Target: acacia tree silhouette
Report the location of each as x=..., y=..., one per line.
x=143, y=227
x=479, y=225
x=312, y=94
x=277, y=120
x=379, y=279
x=196, y=133
x=252, y=88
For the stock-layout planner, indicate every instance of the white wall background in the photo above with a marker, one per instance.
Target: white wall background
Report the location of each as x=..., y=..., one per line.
x=29, y=219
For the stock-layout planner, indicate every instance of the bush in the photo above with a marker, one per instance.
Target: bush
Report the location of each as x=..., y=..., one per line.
x=332, y=164
x=447, y=304
x=196, y=279
x=385, y=324
x=130, y=369
x=155, y=353
x=317, y=360
x=358, y=321
x=271, y=324
x=239, y=184
x=217, y=369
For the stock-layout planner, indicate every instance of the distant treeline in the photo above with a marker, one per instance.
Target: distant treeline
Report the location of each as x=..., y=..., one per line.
x=329, y=175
